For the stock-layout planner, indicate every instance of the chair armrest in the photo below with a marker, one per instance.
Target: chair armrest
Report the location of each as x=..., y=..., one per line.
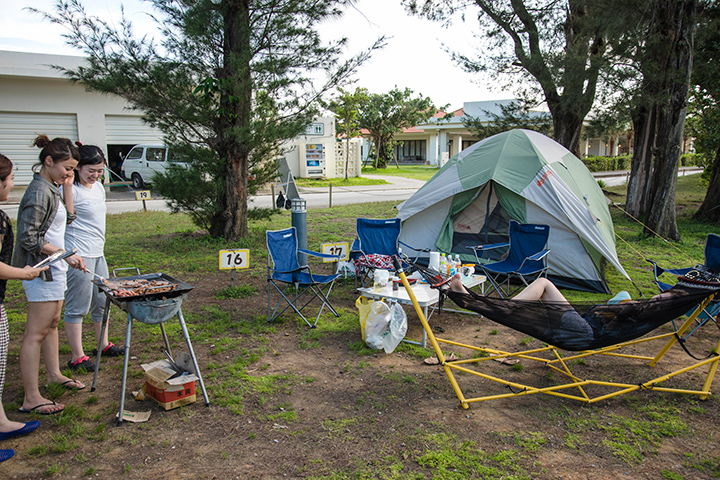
x=488, y=247
x=287, y=271
x=479, y=249
x=426, y=250
x=355, y=247
x=417, y=255
x=355, y=250
x=318, y=254
x=658, y=270
x=539, y=255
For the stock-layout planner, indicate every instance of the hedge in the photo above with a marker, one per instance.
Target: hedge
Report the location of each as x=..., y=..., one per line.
x=622, y=162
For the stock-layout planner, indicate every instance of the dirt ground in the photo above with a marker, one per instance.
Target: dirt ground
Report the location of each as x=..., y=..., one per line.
x=357, y=416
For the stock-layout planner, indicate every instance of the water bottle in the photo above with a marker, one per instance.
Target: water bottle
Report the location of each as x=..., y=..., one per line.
x=452, y=267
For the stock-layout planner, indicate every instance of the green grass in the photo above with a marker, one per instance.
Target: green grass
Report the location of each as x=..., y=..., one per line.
x=418, y=172
x=240, y=373
x=237, y=291
x=337, y=182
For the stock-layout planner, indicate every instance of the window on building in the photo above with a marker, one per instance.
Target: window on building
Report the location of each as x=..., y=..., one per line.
x=411, y=150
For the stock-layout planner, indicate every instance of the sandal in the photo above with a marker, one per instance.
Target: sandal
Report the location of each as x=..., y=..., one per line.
x=41, y=410
x=71, y=384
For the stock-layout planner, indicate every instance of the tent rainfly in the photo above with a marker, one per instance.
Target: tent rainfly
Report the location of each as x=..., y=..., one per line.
x=524, y=176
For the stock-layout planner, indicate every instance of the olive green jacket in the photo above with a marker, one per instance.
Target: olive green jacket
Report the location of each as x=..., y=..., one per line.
x=37, y=210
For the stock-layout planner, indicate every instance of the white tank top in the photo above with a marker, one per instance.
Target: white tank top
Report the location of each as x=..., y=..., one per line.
x=56, y=236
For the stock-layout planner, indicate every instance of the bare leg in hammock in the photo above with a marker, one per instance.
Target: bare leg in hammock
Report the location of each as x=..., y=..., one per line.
x=541, y=289
x=566, y=323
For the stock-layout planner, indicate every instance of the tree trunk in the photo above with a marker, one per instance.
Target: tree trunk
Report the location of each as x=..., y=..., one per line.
x=566, y=127
x=678, y=25
x=710, y=208
x=641, y=165
x=382, y=151
x=236, y=96
x=347, y=156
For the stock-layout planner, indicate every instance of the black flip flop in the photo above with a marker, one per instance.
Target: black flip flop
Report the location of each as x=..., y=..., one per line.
x=35, y=409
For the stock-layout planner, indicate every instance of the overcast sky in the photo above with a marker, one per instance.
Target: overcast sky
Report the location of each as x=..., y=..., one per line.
x=414, y=57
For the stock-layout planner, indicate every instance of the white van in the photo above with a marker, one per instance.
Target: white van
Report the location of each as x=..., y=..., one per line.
x=143, y=161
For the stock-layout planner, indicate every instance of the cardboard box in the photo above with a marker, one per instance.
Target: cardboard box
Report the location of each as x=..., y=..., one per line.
x=168, y=392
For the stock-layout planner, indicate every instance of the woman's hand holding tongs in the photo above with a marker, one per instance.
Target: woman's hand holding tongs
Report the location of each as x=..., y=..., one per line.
x=77, y=262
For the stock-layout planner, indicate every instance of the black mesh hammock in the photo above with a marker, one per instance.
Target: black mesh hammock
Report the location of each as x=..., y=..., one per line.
x=578, y=326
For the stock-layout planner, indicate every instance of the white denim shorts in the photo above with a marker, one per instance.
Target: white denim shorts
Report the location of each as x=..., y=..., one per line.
x=39, y=290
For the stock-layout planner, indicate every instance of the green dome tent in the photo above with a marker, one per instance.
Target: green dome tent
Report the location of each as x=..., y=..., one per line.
x=517, y=175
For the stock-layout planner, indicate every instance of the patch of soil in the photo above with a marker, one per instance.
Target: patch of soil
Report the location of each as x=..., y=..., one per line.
x=339, y=411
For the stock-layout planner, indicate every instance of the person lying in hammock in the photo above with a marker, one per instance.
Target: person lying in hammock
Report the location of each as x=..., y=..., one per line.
x=542, y=311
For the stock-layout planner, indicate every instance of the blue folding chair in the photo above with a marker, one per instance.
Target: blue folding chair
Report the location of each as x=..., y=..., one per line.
x=712, y=262
x=285, y=273
x=525, y=259
x=376, y=243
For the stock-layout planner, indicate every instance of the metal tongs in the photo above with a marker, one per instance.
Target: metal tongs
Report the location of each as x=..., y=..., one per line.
x=55, y=257
x=179, y=372
x=95, y=274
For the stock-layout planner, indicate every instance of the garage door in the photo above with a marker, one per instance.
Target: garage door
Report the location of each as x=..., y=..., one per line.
x=18, y=130
x=130, y=130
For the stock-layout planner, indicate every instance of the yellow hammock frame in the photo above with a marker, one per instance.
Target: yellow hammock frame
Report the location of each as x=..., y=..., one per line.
x=560, y=364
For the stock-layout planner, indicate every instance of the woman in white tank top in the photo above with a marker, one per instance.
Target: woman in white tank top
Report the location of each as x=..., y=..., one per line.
x=86, y=199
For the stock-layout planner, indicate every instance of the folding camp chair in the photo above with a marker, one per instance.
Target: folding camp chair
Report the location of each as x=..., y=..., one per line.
x=376, y=243
x=712, y=262
x=286, y=274
x=525, y=259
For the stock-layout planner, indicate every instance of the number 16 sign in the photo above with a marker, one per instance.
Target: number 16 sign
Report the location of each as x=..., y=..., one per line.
x=234, y=259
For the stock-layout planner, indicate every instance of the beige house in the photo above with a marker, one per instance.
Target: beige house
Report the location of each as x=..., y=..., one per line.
x=439, y=139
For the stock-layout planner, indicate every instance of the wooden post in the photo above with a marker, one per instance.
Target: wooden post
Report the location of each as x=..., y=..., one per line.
x=272, y=187
x=330, y=194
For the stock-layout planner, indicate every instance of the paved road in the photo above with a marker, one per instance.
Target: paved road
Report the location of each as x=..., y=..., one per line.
x=398, y=189
x=613, y=179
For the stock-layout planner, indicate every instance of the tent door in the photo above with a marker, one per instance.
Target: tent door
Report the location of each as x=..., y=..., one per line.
x=482, y=222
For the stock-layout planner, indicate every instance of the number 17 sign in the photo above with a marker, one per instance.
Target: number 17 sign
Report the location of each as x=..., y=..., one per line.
x=234, y=259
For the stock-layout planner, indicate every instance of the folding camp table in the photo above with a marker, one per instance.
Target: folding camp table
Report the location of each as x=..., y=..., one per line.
x=425, y=296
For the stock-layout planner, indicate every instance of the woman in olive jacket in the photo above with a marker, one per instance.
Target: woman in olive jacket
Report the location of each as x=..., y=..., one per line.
x=41, y=232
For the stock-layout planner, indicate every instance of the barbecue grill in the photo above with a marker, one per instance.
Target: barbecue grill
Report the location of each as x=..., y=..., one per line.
x=150, y=305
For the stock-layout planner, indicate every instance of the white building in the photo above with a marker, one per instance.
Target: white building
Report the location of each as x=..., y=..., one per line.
x=319, y=153
x=37, y=99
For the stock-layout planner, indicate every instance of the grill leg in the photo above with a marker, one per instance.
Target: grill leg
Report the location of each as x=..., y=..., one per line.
x=192, y=355
x=125, y=368
x=106, y=316
x=165, y=338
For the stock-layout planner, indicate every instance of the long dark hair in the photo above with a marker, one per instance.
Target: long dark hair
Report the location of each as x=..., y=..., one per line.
x=89, y=155
x=6, y=167
x=59, y=149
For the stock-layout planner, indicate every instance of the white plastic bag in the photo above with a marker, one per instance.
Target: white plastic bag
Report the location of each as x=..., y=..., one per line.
x=346, y=269
x=385, y=327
